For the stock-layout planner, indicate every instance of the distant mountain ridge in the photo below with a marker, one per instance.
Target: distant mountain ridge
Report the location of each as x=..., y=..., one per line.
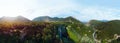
x=14, y=19
x=44, y=19
x=55, y=19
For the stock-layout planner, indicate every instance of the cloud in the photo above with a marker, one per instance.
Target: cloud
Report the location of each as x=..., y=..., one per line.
x=84, y=13
x=101, y=13
x=64, y=8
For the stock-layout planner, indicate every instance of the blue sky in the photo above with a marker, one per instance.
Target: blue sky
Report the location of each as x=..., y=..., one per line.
x=84, y=10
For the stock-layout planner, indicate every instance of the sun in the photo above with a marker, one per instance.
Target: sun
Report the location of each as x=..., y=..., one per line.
x=9, y=12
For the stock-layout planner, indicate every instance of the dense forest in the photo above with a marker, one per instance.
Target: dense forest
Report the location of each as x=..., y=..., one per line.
x=58, y=30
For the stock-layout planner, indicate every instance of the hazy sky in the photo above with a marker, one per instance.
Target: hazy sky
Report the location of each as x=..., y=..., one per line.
x=81, y=9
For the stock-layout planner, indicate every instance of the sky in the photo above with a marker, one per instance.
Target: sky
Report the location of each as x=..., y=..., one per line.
x=83, y=10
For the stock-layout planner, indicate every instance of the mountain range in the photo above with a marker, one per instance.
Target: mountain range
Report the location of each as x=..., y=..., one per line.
x=43, y=19
x=55, y=19
x=14, y=19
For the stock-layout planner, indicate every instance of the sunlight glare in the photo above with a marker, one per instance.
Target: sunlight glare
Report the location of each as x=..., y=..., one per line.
x=11, y=12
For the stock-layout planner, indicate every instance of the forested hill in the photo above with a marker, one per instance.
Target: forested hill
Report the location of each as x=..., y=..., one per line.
x=47, y=29
x=57, y=30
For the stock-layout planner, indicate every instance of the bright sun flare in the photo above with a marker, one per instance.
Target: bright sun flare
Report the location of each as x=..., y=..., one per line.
x=10, y=12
